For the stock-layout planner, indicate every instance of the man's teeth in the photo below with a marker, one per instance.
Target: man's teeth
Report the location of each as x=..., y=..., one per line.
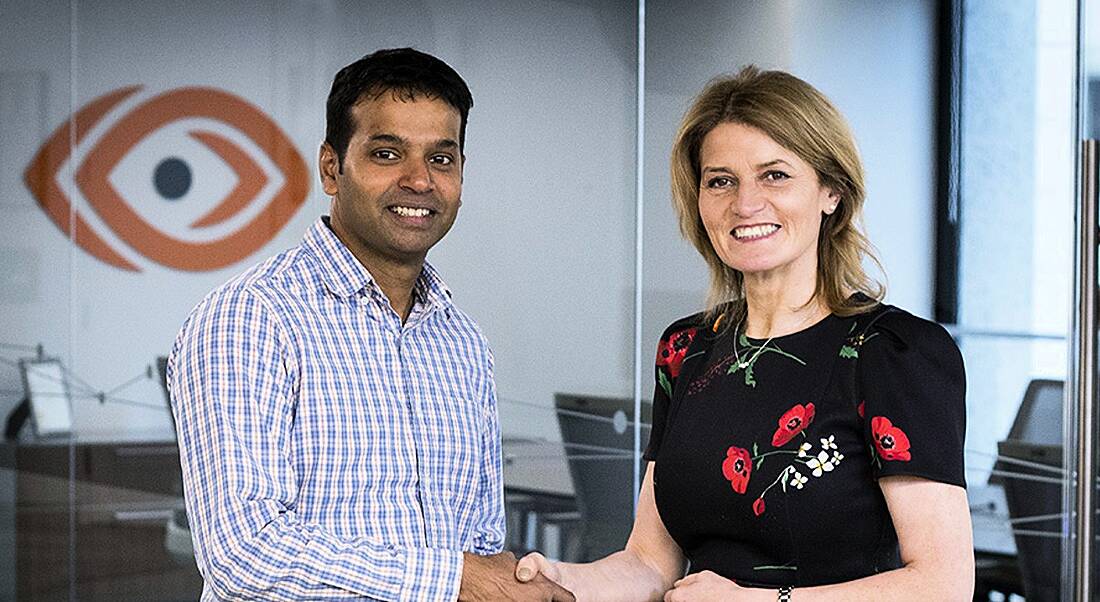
x=754, y=231
x=410, y=211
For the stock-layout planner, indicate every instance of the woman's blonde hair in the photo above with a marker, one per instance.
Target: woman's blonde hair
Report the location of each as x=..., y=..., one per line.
x=799, y=118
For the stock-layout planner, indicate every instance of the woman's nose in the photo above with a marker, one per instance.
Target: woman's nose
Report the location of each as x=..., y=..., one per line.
x=748, y=200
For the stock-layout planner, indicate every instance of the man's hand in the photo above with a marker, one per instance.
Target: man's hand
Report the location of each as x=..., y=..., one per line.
x=493, y=578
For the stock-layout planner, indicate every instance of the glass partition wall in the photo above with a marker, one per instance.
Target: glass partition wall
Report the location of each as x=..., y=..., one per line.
x=565, y=232
x=125, y=129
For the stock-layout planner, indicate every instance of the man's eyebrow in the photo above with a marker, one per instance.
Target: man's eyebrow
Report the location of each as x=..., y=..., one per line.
x=388, y=138
x=442, y=144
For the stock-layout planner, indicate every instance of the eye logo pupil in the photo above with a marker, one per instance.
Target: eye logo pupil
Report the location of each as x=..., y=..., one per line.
x=172, y=178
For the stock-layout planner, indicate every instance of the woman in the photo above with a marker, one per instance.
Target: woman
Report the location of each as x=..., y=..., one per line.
x=807, y=440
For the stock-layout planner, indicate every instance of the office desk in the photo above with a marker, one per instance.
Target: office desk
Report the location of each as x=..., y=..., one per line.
x=122, y=496
x=536, y=466
x=540, y=507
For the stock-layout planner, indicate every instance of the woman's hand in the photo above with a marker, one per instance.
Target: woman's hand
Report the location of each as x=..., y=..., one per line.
x=535, y=564
x=711, y=587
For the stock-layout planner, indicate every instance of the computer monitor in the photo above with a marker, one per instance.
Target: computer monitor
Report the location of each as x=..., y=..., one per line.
x=1039, y=419
x=598, y=436
x=47, y=391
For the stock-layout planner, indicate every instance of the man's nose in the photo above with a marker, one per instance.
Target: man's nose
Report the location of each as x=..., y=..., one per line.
x=417, y=177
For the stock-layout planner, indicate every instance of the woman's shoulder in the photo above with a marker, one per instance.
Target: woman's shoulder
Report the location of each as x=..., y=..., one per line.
x=905, y=330
x=695, y=321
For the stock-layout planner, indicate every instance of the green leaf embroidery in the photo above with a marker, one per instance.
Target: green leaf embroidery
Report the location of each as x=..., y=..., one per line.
x=754, y=353
x=773, y=567
x=665, y=384
x=848, y=352
x=755, y=450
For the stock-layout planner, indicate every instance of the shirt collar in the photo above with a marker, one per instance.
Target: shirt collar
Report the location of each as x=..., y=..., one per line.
x=431, y=290
x=344, y=276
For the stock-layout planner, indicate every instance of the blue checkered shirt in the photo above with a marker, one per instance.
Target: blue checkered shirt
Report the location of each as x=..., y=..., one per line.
x=330, y=451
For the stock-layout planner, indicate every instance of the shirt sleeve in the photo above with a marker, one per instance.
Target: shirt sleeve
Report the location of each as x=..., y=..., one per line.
x=913, y=399
x=672, y=350
x=233, y=392
x=489, y=530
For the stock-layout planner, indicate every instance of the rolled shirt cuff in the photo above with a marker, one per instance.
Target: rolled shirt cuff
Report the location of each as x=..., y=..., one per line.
x=431, y=574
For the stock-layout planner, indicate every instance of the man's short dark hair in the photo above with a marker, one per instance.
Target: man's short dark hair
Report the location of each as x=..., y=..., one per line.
x=405, y=72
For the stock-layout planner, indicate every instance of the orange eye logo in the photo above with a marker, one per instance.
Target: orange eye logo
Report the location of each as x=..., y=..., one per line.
x=172, y=181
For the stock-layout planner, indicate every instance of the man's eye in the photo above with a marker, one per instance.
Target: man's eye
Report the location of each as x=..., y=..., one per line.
x=442, y=159
x=776, y=176
x=384, y=154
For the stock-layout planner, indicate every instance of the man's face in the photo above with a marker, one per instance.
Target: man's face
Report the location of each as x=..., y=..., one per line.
x=401, y=183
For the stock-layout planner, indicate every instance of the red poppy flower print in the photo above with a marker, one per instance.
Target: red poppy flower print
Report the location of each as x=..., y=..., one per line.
x=737, y=468
x=671, y=351
x=890, y=441
x=792, y=422
x=860, y=408
x=758, y=506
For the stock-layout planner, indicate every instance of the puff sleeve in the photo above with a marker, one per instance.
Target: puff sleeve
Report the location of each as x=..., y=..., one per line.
x=912, y=389
x=671, y=351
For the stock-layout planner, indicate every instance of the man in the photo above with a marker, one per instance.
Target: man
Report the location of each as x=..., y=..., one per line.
x=337, y=414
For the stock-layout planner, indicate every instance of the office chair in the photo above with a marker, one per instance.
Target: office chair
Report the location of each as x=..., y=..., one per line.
x=1034, y=495
x=598, y=435
x=1035, y=507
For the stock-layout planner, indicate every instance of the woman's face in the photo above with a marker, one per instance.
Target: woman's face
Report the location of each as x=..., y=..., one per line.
x=762, y=205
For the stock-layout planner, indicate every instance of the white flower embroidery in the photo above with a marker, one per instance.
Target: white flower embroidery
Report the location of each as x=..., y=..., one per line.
x=802, y=449
x=837, y=457
x=821, y=464
x=828, y=443
x=798, y=479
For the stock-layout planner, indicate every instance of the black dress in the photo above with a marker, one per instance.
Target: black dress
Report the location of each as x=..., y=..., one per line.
x=766, y=468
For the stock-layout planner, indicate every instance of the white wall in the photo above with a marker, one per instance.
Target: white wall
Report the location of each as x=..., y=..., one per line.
x=543, y=251
x=875, y=61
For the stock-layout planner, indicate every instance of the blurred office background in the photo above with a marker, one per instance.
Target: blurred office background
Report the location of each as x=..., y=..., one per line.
x=566, y=249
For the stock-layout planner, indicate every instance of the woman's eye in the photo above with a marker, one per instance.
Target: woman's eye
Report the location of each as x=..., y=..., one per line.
x=776, y=176
x=719, y=182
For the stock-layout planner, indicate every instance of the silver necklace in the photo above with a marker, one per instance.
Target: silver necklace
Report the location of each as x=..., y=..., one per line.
x=737, y=356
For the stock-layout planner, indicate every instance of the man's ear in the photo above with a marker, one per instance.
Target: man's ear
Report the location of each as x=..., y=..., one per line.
x=328, y=163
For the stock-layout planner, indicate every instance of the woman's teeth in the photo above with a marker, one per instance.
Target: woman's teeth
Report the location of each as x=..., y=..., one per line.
x=754, y=231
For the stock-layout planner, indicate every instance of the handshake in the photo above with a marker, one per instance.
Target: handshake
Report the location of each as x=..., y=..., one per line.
x=501, y=577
